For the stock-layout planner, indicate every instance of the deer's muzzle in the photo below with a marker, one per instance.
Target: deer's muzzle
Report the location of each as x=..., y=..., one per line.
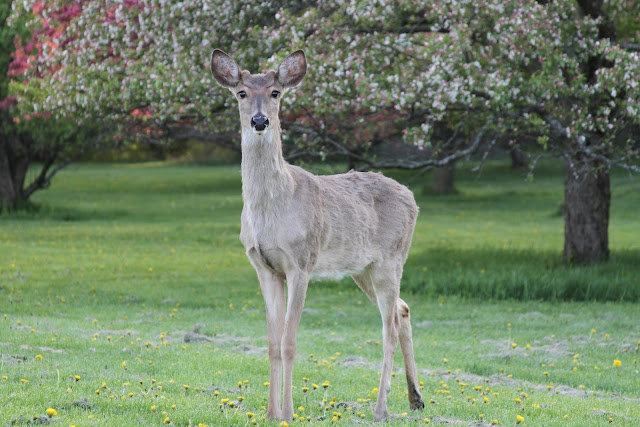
x=259, y=123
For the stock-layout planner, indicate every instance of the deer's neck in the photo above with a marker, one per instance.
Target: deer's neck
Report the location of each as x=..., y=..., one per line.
x=266, y=181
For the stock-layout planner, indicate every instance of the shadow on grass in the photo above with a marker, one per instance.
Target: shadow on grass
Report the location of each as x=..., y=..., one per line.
x=490, y=273
x=39, y=212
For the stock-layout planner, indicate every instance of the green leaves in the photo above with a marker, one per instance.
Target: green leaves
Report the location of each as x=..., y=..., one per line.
x=377, y=72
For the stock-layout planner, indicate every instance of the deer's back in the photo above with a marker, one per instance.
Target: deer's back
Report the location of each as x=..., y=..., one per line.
x=363, y=218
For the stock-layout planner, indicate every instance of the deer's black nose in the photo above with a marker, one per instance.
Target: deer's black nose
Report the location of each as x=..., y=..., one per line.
x=259, y=122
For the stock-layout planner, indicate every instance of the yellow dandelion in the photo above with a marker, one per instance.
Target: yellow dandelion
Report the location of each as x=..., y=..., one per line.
x=51, y=412
x=250, y=414
x=519, y=419
x=38, y=356
x=24, y=380
x=325, y=384
x=305, y=389
x=166, y=420
x=153, y=407
x=266, y=383
x=186, y=387
x=617, y=363
x=514, y=345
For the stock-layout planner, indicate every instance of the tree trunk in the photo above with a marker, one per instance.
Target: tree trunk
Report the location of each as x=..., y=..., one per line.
x=518, y=159
x=586, y=218
x=14, y=164
x=443, y=179
x=8, y=193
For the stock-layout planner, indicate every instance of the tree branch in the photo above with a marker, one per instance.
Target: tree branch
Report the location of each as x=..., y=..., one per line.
x=42, y=180
x=418, y=28
x=633, y=47
x=430, y=163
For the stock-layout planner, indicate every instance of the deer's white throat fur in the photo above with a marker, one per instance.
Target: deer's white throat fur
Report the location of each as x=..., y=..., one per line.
x=266, y=182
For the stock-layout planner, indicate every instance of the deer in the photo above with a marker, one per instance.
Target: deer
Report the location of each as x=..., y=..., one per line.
x=297, y=227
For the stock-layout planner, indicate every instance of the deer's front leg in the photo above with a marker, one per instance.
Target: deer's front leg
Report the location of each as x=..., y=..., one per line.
x=297, y=283
x=272, y=288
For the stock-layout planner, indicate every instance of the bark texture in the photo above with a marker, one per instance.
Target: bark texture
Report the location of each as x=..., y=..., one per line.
x=443, y=179
x=8, y=192
x=518, y=158
x=586, y=217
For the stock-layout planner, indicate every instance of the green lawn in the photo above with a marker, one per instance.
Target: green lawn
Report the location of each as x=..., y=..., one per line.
x=127, y=300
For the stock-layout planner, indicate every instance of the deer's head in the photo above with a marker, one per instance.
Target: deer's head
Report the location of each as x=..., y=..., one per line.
x=258, y=95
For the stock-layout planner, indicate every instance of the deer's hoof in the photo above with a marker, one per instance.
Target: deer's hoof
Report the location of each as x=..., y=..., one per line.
x=417, y=405
x=380, y=416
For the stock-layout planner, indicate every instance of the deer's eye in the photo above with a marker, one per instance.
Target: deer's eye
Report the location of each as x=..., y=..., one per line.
x=242, y=94
x=275, y=94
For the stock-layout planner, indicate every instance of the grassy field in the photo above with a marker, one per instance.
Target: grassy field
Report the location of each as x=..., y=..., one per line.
x=127, y=300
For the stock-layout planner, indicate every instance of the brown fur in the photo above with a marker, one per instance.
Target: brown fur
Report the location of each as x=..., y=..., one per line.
x=297, y=226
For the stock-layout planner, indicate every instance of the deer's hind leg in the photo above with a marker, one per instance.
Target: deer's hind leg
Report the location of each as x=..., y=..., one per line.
x=406, y=345
x=382, y=286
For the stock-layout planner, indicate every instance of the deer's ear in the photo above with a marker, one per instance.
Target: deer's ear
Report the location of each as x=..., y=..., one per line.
x=292, y=69
x=224, y=69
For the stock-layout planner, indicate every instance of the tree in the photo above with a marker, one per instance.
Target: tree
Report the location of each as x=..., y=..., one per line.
x=550, y=69
x=385, y=76
x=29, y=136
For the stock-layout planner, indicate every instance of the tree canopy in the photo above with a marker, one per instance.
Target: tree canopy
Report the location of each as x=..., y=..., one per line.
x=379, y=70
x=390, y=84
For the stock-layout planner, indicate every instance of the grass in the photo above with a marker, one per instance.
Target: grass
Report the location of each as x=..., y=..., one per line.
x=127, y=299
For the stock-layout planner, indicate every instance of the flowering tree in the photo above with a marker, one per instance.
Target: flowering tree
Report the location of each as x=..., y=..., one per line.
x=29, y=135
x=391, y=83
